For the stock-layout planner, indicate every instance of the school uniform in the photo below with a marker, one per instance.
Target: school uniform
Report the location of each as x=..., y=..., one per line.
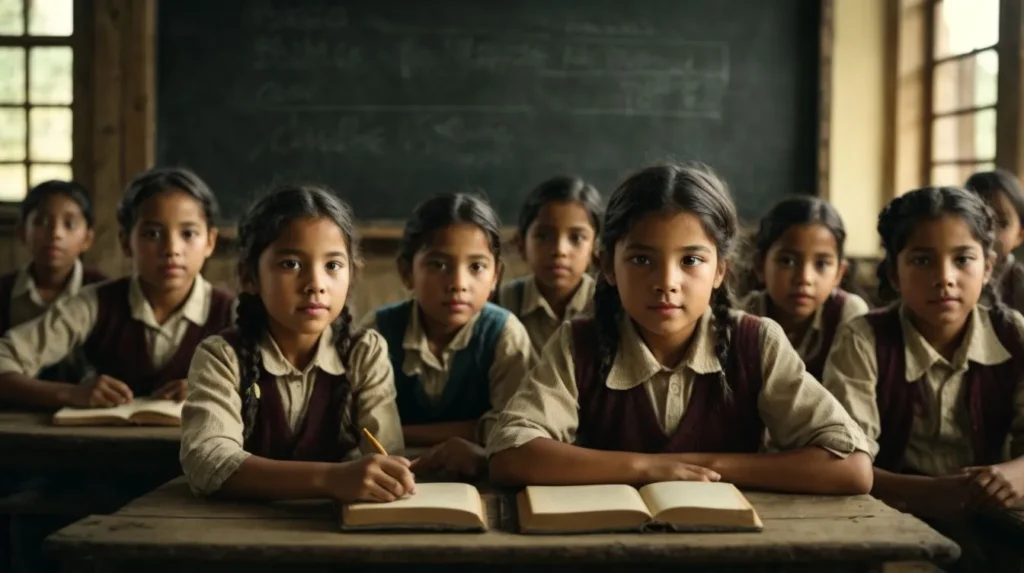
x=643, y=406
x=20, y=300
x=924, y=414
x=473, y=376
x=523, y=299
x=1011, y=283
x=297, y=416
x=114, y=325
x=813, y=347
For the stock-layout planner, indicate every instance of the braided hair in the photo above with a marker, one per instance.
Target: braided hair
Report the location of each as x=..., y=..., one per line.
x=898, y=219
x=689, y=187
x=261, y=225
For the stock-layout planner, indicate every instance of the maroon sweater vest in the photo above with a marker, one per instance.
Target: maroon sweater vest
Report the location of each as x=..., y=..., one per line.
x=831, y=313
x=624, y=420
x=318, y=438
x=990, y=392
x=89, y=276
x=117, y=344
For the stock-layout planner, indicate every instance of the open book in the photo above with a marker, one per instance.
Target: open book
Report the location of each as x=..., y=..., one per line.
x=434, y=506
x=140, y=411
x=665, y=506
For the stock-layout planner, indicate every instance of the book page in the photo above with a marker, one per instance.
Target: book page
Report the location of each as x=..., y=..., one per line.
x=71, y=415
x=169, y=408
x=705, y=495
x=576, y=499
x=438, y=503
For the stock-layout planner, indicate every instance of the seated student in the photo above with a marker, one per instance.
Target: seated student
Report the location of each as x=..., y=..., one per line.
x=457, y=358
x=56, y=226
x=1001, y=190
x=276, y=403
x=558, y=226
x=935, y=379
x=799, y=259
x=138, y=333
x=666, y=382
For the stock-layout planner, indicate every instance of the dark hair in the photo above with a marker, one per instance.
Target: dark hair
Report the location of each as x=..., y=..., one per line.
x=443, y=210
x=73, y=190
x=160, y=179
x=693, y=188
x=260, y=226
x=898, y=219
x=561, y=189
x=988, y=184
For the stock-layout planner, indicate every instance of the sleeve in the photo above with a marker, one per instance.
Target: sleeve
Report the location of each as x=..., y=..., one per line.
x=211, y=419
x=851, y=374
x=797, y=410
x=1017, y=425
x=512, y=361
x=52, y=337
x=852, y=308
x=373, y=383
x=546, y=403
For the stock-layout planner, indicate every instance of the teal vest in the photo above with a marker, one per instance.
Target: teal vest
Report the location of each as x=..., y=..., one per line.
x=467, y=395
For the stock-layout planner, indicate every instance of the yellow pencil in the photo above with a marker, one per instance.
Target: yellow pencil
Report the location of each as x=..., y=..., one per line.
x=376, y=444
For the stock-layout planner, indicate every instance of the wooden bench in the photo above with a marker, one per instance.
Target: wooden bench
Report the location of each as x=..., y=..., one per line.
x=171, y=530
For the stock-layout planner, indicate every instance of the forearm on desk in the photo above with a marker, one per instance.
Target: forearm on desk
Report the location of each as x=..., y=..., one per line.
x=24, y=390
x=804, y=470
x=425, y=435
x=543, y=461
x=264, y=478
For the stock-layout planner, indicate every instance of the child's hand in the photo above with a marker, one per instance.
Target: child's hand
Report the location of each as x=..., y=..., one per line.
x=453, y=458
x=943, y=498
x=993, y=487
x=100, y=392
x=657, y=468
x=373, y=478
x=173, y=390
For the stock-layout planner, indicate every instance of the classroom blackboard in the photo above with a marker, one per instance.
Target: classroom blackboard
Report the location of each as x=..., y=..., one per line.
x=391, y=101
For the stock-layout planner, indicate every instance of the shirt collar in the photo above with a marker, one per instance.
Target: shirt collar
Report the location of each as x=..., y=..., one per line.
x=195, y=308
x=634, y=363
x=416, y=345
x=759, y=304
x=534, y=301
x=25, y=284
x=980, y=345
x=326, y=357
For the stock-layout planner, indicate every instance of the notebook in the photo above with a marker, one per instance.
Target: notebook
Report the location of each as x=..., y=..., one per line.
x=139, y=412
x=434, y=507
x=665, y=506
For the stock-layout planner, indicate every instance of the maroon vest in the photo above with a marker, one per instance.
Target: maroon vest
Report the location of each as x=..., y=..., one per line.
x=990, y=392
x=318, y=437
x=831, y=313
x=624, y=420
x=89, y=276
x=117, y=344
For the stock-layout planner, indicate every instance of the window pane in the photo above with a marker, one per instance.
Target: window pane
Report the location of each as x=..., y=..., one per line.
x=956, y=175
x=12, y=75
x=967, y=83
x=12, y=22
x=51, y=134
x=12, y=182
x=967, y=136
x=50, y=75
x=965, y=25
x=12, y=136
x=37, y=172
x=50, y=18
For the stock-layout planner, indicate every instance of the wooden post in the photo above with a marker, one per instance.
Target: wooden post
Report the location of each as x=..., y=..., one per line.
x=1009, y=118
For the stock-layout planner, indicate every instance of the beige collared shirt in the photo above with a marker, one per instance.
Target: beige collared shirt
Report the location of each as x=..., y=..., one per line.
x=66, y=325
x=797, y=411
x=512, y=361
x=536, y=314
x=939, y=441
x=26, y=303
x=211, y=423
x=810, y=343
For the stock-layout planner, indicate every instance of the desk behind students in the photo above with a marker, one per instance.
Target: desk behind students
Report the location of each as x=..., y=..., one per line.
x=173, y=529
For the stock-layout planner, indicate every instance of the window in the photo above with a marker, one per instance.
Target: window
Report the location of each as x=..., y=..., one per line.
x=36, y=85
x=963, y=68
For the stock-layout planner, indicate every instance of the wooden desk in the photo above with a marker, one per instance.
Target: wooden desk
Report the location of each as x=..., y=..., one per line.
x=28, y=441
x=169, y=530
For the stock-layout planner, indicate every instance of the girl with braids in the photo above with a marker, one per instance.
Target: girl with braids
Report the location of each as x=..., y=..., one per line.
x=1001, y=190
x=275, y=402
x=798, y=257
x=558, y=228
x=935, y=378
x=457, y=358
x=137, y=333
x=667, y=382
